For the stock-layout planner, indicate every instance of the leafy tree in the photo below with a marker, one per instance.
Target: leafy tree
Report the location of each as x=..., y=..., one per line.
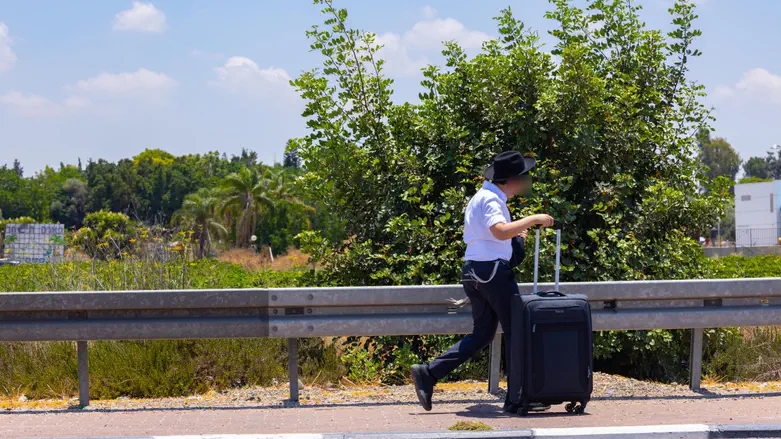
x=612, y=124
x=290, y=215
x=247, y=158
x=718, y=156
x=18, y=168
x=199, y=212
x=15, y=200
x=112, y=186
x=292, y=159
x=70, y=210
x=756, y=167
x=774, y=165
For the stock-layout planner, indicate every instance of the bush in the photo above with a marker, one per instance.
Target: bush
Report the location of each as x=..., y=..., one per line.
x=747, y=180
x=729, y=267
x=105, y=235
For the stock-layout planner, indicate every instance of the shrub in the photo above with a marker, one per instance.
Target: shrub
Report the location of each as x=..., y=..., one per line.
x=747, y=180
x=733, y=266
x=105, y=235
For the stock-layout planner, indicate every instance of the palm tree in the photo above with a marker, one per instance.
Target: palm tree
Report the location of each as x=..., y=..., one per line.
x=247, y=192
x=280, y=188
x=200, y=209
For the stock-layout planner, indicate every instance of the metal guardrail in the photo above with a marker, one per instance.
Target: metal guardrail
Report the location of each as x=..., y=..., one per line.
x=294, y=313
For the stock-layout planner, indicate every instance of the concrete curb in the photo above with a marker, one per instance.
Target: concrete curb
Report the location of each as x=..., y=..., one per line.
x=684, y=431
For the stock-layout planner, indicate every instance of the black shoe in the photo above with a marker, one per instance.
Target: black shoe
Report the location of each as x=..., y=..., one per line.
x=512, y=408
x=424, y=385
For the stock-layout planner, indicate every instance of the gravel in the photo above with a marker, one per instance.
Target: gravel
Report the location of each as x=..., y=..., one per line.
x=605, y=387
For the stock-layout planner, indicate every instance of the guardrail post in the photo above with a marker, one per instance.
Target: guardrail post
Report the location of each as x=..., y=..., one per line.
x=494, y=364
x=292, y=366
x=82, y=360
x=695, y=359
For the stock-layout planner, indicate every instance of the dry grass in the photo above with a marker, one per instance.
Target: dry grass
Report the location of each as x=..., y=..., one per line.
x=470, y=426
x=251, y=260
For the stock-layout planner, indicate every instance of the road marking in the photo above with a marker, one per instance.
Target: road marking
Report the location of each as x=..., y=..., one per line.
x=680, y=431
x=656, y=431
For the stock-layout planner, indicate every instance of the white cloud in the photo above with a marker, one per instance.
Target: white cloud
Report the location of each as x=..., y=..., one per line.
x=7, y=56
x=38, y=106
x=241, y=75
x=431, y=34
x=429, y=12
x=142, y=17
x=143, y=85
x=407, y=53
x=757, y=85
x=397, y=57
x=77, y=102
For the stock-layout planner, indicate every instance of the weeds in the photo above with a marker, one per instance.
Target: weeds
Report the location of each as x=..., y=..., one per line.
x=470, y=426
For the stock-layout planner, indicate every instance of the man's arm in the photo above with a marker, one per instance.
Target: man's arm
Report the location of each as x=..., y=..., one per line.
x=504, y=231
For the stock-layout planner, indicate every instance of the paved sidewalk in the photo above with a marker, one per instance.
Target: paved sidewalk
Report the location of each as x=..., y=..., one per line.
x=382, y=418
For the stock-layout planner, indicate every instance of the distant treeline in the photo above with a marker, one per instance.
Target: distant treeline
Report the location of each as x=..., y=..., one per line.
x=152, y=187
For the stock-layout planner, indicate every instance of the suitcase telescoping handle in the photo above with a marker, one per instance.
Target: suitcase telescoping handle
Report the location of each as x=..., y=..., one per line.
x=557, y=225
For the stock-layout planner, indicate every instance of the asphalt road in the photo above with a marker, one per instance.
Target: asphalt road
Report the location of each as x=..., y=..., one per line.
x=381, y=418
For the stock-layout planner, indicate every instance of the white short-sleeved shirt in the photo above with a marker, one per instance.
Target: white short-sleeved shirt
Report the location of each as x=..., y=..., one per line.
x=487, y=208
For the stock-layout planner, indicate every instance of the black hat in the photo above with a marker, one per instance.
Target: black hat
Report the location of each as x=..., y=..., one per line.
x=508, y=164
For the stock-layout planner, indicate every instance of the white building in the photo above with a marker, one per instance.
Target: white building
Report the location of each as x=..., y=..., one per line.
x=757, y=214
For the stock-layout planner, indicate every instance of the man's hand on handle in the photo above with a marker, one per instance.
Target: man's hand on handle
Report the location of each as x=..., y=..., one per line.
x=543, y=220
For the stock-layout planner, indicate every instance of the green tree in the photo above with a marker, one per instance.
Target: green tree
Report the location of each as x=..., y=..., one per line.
x=246, y=194
x=288, y=216
x=612, y=123
x=718, y=156
x=774, y=165
x=199, y=212
x=18, y=169
x=112, y=186
x=292, y=159
x=71, y=207
x=756, y=167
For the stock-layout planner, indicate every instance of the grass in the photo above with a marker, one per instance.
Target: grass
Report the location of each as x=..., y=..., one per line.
x=754, y=355
x=150, y=369
x=470, y=426
x=251, y=260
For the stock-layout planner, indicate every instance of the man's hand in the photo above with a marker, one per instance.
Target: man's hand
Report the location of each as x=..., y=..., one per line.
x=523, y=233
x=543, y=220
x=504, y=231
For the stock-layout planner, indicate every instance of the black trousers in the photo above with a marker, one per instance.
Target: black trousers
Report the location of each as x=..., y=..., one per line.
x=491, y=303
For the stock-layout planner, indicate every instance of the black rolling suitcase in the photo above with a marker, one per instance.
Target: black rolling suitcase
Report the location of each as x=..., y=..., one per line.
x=552, y=345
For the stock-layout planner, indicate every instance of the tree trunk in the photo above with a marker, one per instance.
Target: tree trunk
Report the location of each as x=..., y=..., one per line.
x=202, y=241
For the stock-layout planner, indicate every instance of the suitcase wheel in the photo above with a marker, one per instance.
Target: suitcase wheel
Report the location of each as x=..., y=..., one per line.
x=574, y=407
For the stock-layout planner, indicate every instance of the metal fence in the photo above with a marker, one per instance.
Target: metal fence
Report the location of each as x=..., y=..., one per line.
x=757, y=237
x=294, y=313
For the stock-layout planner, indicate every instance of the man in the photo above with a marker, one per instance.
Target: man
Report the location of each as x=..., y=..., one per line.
x=488, y=278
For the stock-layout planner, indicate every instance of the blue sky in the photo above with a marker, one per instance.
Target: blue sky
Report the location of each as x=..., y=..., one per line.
x=109, y=78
